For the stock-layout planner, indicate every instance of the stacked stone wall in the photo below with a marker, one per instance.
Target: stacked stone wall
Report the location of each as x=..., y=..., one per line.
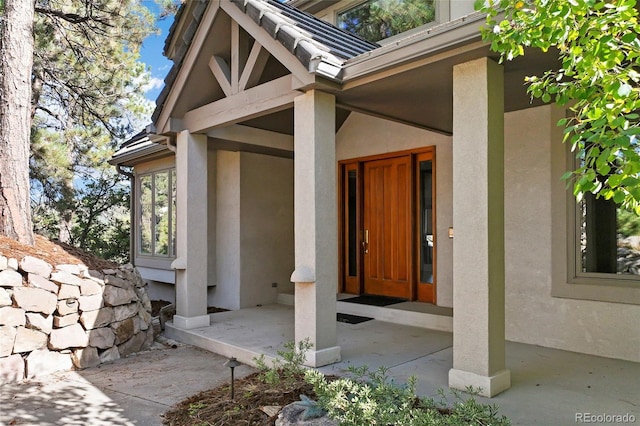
x=59, y=317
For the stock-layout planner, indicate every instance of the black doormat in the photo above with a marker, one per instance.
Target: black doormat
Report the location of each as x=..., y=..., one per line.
x=352, y=319
x=374, y=300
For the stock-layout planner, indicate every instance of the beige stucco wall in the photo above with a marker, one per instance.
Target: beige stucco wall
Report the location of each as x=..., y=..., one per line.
x=363, y=135
x=254, y=229
x=266, y=232
x=533, y=252
x=226, y=293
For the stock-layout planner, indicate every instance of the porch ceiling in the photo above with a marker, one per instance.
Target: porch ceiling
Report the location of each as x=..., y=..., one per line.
x=420, y=96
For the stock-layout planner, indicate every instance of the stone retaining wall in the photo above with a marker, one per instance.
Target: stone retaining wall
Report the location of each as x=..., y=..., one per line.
x=57, y=318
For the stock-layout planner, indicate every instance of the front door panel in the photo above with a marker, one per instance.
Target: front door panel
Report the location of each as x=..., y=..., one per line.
x=387, y=227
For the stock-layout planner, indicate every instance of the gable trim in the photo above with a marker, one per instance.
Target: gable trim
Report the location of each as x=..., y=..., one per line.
x=187, y=63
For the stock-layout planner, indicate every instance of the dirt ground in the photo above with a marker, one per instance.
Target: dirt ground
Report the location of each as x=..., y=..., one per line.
x=53, y=252
x=255, y=403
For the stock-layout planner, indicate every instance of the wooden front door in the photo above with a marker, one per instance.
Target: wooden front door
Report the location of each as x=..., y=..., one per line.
x=387, y=227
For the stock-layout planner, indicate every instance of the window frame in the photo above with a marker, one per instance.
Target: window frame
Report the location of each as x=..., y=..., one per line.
x=171, y=249
x=568, y=281
x=441, y=15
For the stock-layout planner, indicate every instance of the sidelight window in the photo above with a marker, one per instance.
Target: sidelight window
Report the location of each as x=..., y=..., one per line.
x=157, y=214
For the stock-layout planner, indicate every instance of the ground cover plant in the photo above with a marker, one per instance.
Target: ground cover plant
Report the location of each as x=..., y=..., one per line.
x=363, y=397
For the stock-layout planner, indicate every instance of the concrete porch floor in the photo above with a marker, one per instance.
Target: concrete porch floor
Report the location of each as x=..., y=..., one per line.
x=549, y=386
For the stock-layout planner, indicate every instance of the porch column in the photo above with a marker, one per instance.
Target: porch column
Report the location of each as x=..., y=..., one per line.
x=316, y=224
x=478, y=221
x=192, y=253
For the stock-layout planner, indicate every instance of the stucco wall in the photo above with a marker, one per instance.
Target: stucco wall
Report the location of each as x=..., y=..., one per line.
x=534, y=159
x=254, y=229
x=363, y=135
x=226, y=293
x=266, y=232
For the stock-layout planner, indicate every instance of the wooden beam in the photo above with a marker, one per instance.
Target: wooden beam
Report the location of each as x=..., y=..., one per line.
x=254, y=136
x=221, y=72
x=267, y=98
x=254, y=67
x=276, y=48
x=235, y=56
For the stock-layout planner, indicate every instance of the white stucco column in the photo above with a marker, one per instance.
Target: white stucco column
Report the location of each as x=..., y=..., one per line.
x=478, y=221
x=192, y=245
x=315, y=217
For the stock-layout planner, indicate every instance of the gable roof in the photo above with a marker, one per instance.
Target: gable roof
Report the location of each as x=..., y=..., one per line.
x=321, y=47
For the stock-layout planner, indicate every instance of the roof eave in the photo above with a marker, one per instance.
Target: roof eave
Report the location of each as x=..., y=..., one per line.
x=423, y=43
x=135, y=156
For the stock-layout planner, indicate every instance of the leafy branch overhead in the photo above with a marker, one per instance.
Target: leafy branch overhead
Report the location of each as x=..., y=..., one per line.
x=598, y=79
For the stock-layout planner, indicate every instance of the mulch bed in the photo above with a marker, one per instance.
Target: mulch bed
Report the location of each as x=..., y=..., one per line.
x=215, y=407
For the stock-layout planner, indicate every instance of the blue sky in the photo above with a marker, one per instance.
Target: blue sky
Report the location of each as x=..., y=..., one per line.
x=151, y=54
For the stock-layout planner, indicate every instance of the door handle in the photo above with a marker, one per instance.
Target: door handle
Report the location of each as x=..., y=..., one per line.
x=365, y=241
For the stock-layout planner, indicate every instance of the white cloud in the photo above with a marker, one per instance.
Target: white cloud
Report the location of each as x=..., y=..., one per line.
x=152, y=84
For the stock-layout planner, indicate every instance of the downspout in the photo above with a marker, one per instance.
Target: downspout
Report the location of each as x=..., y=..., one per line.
x=132, y=208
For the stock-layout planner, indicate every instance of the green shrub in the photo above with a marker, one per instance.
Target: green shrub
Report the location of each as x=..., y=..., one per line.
x=288, y=367
x=373, y=398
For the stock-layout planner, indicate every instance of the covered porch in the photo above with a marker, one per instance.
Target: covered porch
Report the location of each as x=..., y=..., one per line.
x=259, y=94
x=549, y=386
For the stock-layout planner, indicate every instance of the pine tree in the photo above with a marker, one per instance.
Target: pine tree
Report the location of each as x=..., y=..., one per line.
x=16, y=47
x=87, y=94
x=74, y=92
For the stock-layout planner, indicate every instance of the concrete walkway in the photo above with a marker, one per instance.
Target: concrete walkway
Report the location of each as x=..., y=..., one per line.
x=550, y=387
x=132, y=391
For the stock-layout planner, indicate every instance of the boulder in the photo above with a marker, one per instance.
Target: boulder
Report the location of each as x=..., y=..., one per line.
x=10, y=278
x=68, y=291
x=11, y=316
x=63, y=277
x=96, y=319
x=72, y=336
x=109, y=271
x=42, y=362
x=101, y=338
x=11, y=369
x=123, y=331
x=12, y=263
x=121, y=313
x=117, y=282
x=96, y=275
x=115, y=296
x=29, y=340
x=36, y=266
x=67, y=306
x=5, y=298
x=69, y=268
x=85, y=358
x=3, y=263
x=145, y=319
x=146, y=302
x=36, y=321
x=110, y=355
x=41, y=282
x=66, y=320
x=89, y=287
x=294, y=414
x=134, y=344
x=35, y=299
x=7, y=339
x=90, y=303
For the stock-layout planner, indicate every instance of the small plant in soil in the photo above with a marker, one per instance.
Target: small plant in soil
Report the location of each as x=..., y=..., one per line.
x=364, y=398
